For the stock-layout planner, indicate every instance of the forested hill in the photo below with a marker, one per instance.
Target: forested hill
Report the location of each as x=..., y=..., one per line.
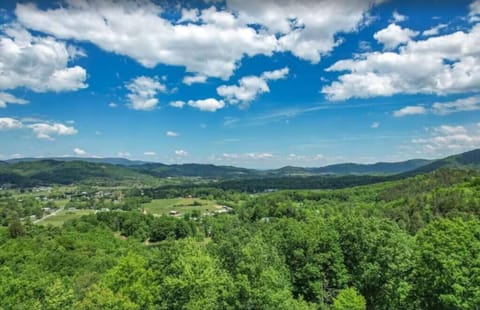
x=377, y=168
x=469, y=159
x=32, y=172
x=105, y=160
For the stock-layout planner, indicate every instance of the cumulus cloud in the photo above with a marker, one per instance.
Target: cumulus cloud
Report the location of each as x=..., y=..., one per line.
x=79, y=151
x=459, y=105
x=192, y=79
x=394, y=35
x=112, y=105
x=212, y=47
x=181, y=153
x=447, y=139
x=438, y=65
x=475, y=11
x=123, y=154
x=434, y=30
x=397, y=17
x=249, y=87
x=410, y=110
x=42, y=130
x=47, y=130
x=209, y=42
x=443, y=108
x=210, y=104
x=177, y=104
x=247, y=155
x=375, y=125
x=307, y=28
x=149, y=153
x=143, y=92
x=6, y=98
x=8, y=123
x=171, y=134
x=38, y=63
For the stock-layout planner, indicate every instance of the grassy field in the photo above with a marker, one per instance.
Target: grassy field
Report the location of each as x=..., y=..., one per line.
x=63, y=216
x=182, y=205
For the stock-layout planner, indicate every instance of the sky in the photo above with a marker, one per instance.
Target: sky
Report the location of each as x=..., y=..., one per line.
x=240, y=82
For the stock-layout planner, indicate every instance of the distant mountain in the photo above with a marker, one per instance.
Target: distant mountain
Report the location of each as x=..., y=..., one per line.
x=34, y=171
x=49, y=171
x=377, y=168
x=106, y=160
x=195, y=170
x=470, y=159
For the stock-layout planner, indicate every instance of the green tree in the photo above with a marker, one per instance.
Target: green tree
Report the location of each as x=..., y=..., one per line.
x=447, y=265
x=349, y=299
x=16, y=229
x=99, y=297
x=58, y=296
x=191, y=279
x=131, y=278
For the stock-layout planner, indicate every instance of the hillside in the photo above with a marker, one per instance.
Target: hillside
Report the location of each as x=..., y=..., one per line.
x=470, y=159
x=30, y=173
x=377, y=168
x=195, y=170
x=106, y=160
x=25, y=172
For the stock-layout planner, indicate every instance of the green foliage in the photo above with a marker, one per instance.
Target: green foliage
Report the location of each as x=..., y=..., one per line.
x=16, y=229
x=349, y=299
x=404, y=244
x=447, y=265
x=191, y=279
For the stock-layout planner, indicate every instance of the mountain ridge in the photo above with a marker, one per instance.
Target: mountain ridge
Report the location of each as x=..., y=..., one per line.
x=26, y=172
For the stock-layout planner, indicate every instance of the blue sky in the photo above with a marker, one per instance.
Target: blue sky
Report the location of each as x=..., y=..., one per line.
x=305, y=83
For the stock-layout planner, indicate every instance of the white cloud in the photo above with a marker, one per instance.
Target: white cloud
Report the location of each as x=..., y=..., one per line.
x=112, y=105
x=135, y=29
x=177, y=104
x=437, y=65
x=143, y=91
x=46, y=130
x=208, y=42
x=192, y=79
x=434, y=30
x=397, y=17
x=181, y=153
x=394, y=35
x=276, y=74
x=474, y=11
x=375, y=125
x=443, y=108
x=123, y=154
x=306, y=28
x=450, y=130
x=410, y=110
x=149, y=153
x=6, y=98
x=7, y=123
x=232, y=156
x=41, y=130
x=79, y=152
x=305, y=158
x=38, y=63
x=171, y=134
x=464, y=104
x=250, y=87
x=189, y=15
x=448, y=140
x=210, y=104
